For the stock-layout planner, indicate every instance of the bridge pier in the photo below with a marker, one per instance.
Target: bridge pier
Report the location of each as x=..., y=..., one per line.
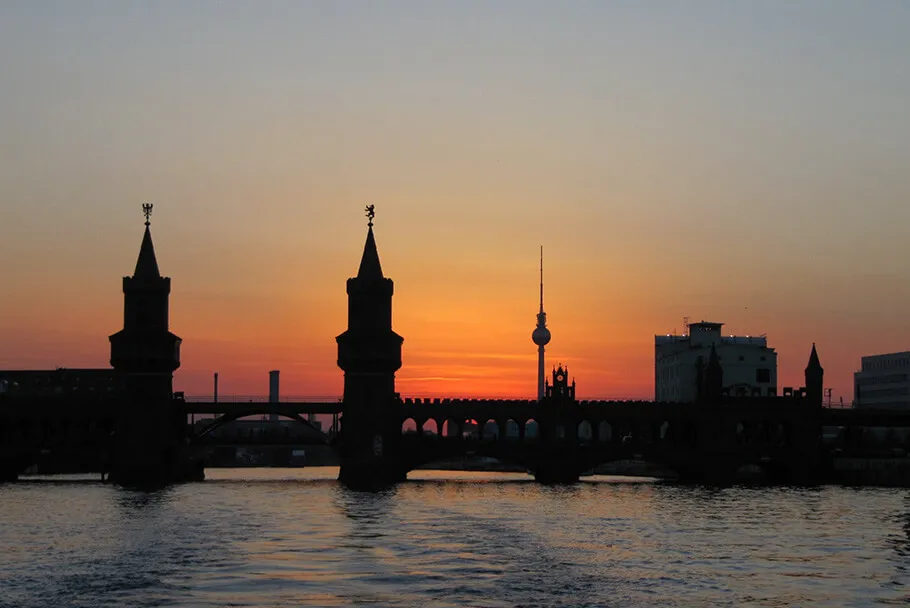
x=371, y=461
x=557, y=467
x=149, y=449
x=155, y=468
x=370, y=474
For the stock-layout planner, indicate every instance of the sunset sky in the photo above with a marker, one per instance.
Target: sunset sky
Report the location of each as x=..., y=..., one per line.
x=739, y=162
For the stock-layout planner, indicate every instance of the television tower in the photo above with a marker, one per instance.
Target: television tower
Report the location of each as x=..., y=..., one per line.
x=541, y=336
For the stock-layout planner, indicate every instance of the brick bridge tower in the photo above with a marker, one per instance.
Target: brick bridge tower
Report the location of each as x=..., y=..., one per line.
x=149, y=429
x=369, y=352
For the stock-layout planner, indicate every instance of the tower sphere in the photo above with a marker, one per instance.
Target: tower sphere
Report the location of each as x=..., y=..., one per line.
x=541, y=336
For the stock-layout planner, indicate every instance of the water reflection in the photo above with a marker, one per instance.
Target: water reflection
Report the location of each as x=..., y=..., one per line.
x=135, y=501
x=280, y=537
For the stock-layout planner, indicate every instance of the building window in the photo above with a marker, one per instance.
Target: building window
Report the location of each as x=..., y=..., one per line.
x=763, y=375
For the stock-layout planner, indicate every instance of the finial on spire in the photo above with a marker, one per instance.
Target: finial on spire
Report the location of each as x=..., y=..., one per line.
x=147, y=211
x=371, y=213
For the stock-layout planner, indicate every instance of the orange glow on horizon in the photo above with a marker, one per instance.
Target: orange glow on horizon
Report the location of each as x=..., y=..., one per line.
x=466, y=325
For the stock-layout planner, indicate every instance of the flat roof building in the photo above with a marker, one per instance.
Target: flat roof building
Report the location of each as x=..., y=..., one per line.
x=749, y=364
x=883, y=381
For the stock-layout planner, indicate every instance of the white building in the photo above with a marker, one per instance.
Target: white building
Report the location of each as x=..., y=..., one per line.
x=883, y=382
x=749, y=365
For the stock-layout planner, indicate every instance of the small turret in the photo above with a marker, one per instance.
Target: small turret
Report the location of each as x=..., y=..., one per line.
x=815, y=377
x=561, y=389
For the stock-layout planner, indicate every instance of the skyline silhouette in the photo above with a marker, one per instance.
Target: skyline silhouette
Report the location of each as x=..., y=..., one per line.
x=743, y=164
x=148, y=306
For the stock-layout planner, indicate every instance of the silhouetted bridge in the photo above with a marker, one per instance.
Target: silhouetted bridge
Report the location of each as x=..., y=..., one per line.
x=697, y=440
x=140, y=431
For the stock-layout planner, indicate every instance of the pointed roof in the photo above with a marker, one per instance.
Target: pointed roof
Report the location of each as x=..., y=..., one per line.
x=147, y=264
x=369, y=263
x=814, y=363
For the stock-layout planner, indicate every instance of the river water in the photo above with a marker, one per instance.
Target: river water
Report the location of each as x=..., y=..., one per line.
x=295, y=537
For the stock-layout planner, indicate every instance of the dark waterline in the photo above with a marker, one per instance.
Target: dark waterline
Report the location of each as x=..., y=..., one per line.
x=288, y=537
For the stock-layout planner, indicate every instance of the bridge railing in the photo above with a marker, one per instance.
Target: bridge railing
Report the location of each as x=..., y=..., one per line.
x=240, y=398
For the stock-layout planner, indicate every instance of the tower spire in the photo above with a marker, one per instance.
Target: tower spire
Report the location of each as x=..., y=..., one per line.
x=815, y=379
x=541, y=337
x=370, y=268
x=147, y=263
x=814, y=363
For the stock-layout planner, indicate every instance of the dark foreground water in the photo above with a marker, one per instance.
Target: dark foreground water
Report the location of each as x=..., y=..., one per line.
x=285, y=537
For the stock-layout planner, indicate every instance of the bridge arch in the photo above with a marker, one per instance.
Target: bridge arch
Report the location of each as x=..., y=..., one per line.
x=409, y=426
x=513, y=431
x=224, y=419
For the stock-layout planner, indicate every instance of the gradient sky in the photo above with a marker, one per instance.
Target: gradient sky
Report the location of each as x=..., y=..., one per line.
x=741, y=162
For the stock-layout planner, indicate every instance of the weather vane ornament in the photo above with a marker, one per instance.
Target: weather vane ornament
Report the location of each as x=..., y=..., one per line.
x=371, y=213
x=147, y=211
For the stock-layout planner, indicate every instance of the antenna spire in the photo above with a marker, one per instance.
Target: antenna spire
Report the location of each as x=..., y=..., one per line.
x=541, y=278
